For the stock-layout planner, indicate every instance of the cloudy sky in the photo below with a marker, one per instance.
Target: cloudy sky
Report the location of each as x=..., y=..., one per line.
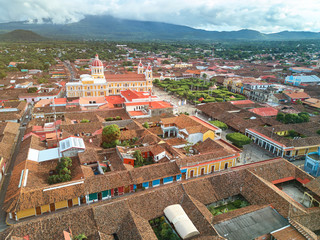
x=222, y=15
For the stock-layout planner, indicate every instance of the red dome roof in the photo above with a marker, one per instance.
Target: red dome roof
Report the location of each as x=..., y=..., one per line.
x=149, y=67
x=97, y=62
x=140, y=64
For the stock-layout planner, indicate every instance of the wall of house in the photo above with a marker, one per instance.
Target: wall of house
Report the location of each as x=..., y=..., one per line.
x=26, y=213
x=208, y=134
x=195, y=137
x=73, y=152
x=159, y=156
x=207, y=167
x=129, y=161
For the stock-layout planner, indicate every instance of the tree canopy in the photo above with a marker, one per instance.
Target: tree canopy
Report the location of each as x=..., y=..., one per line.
x=238, y=139
x=110, y=136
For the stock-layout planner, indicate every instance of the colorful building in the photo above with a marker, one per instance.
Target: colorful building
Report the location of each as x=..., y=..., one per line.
x=98, y=84
x=312, y=163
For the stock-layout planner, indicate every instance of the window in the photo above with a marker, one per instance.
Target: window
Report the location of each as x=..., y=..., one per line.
x=202, y=171
x=101, y=93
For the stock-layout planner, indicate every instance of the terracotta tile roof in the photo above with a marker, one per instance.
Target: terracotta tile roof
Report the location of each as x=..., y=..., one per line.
x=135, y=210
x=265, y=112
x=154, y=172
x=296, y=95
x=129, y=77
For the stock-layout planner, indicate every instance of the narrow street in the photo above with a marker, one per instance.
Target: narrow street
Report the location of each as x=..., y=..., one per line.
x=6, y=177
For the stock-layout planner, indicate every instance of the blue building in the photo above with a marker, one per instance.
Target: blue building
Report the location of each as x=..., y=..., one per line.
x=298, y=80
x=311, y=164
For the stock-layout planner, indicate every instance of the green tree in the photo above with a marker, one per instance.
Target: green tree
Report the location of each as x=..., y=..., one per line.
x=139, y=161
x=238, y=139
x=146, y=125
x=280, y=117
x=63, y=172
x=110, y=136
x=84, y=121
x=219, y=124
x=32, y=90
x=2, y=74
x=80, y=237
x=165, y=62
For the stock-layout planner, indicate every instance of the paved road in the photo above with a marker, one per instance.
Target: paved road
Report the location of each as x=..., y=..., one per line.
x=7, y=175
x=69, y=67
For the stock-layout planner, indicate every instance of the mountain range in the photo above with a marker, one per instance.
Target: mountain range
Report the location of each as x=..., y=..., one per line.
x=110, y=28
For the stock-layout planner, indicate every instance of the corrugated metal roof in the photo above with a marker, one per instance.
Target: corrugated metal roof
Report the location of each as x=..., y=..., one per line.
x=251, y=225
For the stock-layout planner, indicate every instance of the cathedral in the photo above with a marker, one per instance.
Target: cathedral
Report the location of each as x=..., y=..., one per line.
x=98, y=84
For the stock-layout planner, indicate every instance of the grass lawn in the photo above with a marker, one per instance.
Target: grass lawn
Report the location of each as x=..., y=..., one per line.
x=230, y=206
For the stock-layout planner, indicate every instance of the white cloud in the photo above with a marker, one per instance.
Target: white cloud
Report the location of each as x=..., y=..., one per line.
x=262, y=15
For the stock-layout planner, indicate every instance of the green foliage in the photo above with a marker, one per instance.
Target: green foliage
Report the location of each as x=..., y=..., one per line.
x=109, y=119
x=238, y=139
x=127, y=63
x=315, y=113
x=219, y=124
x=2, y=74
x=84, y=121
x=318, y=131
x=110, y=136
x=165, y=62
x=32, y=90
x=140, y=161
x=163, y=230
x=80, y=237
x=138, y=158
x=289, y=118
x=230, y=206
x=42, y=80
x=117, y=118
x=146, y=125
x=63, y=172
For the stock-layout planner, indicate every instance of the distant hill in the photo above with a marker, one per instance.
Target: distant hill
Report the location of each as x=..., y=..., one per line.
x=21, y=36
x=110, y=28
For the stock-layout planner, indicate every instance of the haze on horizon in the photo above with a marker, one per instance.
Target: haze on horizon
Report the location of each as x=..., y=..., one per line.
x=266, y=16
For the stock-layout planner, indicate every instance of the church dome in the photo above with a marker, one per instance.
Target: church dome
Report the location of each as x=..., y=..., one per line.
x=97, y=62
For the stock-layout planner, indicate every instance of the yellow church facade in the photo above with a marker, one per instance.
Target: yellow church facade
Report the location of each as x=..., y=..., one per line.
x=97, y=84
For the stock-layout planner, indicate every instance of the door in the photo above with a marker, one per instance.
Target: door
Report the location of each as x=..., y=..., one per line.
x=52, y=207
x=191, y=173
x=70, y=204
x=126, y=189
x=38, y=211
x=99, y=196
x=183, y=176
x=212, y=168
x=202, y=171
x=225, y=165
x=161, y=181
x=116, y=192
x=82, y=200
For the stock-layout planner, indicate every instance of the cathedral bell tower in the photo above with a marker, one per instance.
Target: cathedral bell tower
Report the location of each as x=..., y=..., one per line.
x=140, y=68
x=148, y=72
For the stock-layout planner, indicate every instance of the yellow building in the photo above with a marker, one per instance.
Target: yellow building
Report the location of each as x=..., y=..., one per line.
x=98, y=84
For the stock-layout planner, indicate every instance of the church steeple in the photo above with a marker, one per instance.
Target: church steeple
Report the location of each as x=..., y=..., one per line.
x=148, y=72
x=140, y=68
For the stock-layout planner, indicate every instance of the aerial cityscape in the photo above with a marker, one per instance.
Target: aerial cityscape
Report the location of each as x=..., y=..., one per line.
x=159, y=120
